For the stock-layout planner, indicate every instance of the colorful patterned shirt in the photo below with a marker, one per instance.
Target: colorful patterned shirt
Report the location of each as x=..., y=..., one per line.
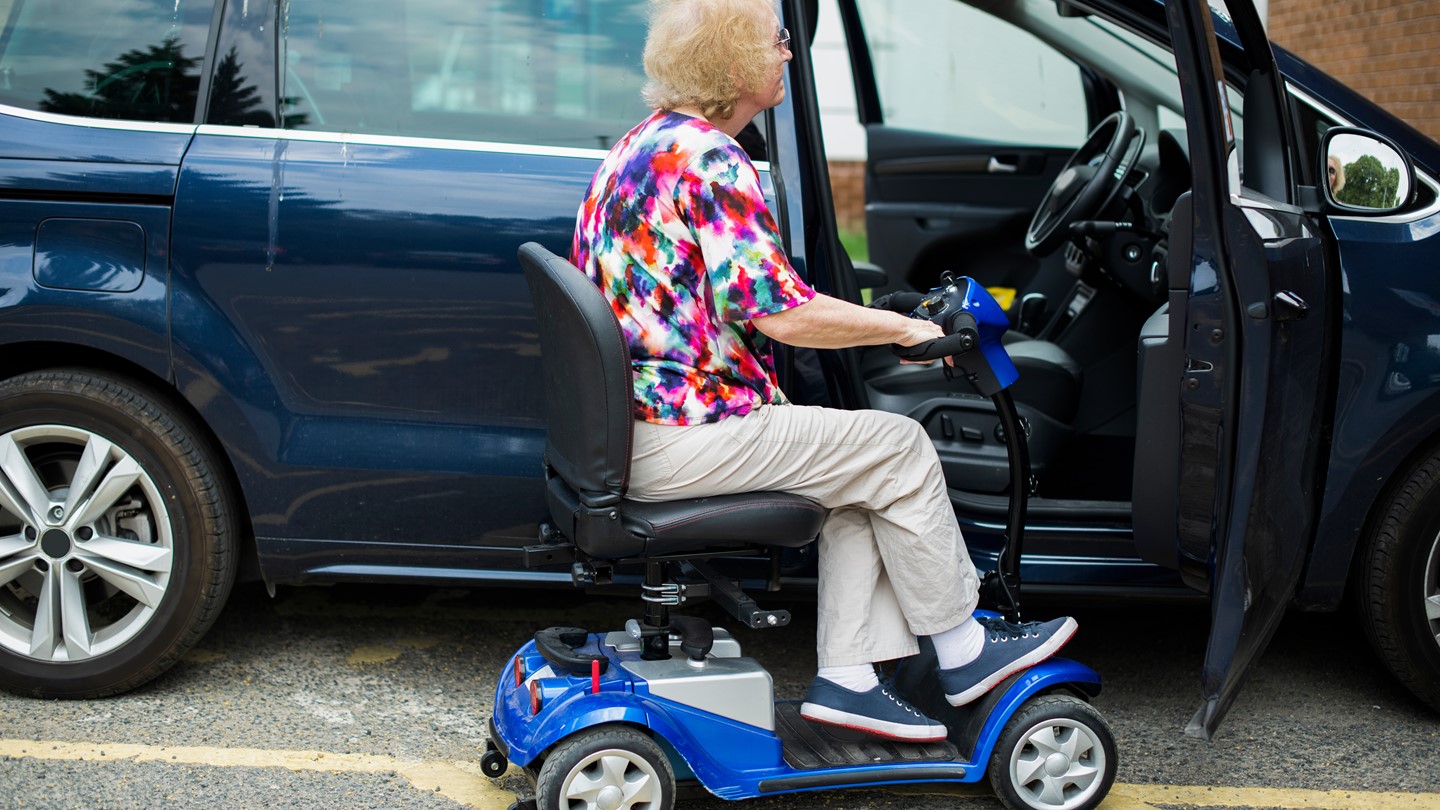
x=675, y=231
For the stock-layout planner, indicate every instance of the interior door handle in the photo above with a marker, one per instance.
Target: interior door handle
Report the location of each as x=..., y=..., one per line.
x=996, y=167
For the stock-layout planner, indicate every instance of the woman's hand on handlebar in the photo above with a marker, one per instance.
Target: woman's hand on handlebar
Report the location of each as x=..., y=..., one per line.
x=921, y=332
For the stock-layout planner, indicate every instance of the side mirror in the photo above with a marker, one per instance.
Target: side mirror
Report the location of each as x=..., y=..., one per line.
x=1364, y=173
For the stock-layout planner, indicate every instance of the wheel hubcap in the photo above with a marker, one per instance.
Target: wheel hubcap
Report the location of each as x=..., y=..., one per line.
x=1430, y=589
x=1058, y=764
x=56, y=544
x=85, y=544
x=610, y=797
x=613, y=779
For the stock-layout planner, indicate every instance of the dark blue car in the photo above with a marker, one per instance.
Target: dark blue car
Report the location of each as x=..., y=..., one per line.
x=261, y=316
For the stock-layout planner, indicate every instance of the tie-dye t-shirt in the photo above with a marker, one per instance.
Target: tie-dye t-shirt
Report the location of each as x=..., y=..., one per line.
x=676, y=233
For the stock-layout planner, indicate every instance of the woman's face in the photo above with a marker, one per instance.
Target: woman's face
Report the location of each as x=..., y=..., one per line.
x=772, y=90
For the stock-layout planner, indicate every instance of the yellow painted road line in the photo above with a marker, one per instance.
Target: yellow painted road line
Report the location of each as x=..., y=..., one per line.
x=462, y=782
x=1145, y=797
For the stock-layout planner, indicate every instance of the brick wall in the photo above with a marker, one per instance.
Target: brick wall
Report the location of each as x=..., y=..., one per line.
x=847, y=185
x=1388, y=50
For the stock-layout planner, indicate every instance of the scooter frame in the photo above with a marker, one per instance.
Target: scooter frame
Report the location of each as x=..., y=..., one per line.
x=543, y=700
x=730, y=759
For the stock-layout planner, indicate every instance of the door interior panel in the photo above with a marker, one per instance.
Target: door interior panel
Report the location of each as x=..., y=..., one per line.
x=936, y=202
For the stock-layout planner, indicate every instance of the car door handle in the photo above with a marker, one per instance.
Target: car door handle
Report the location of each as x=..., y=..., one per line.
x=995, y=166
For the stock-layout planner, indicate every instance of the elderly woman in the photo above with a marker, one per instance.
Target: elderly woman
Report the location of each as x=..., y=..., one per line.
x=1335, y=174
x=675, y=231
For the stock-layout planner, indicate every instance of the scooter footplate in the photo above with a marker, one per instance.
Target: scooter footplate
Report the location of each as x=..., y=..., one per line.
x=810, y=745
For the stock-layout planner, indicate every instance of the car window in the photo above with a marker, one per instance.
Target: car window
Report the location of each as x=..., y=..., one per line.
x=129, y=59
x=560, y=73
x=943, y=66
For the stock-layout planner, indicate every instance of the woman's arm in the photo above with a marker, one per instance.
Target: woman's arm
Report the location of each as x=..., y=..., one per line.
x=829, y=323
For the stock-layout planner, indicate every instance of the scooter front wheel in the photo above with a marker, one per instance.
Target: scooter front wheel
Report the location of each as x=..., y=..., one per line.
x=610, y=767
x=1056, y=753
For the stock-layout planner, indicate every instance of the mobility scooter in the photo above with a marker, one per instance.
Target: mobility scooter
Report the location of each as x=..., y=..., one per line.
x=607, y=720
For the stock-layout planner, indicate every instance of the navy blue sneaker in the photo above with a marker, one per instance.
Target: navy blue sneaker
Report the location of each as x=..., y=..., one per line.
x=1008, y=649
x=878, y=712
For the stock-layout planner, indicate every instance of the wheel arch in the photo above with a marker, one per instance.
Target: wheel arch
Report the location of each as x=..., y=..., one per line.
x=29, y=357
x=1375, y=513
x=1054, y=676
x=632, y=721
x=687, y=736
x=1355, y=490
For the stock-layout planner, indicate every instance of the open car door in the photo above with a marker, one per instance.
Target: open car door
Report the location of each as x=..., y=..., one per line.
x=1252, y=323
x=957, y=160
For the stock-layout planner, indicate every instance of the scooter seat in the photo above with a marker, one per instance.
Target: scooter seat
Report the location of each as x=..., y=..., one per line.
x=589, y=436
x=763, y=518
x=645, y=529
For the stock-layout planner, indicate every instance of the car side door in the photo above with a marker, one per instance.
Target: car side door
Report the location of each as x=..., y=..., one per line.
x=348, y=309
x=1256, y=375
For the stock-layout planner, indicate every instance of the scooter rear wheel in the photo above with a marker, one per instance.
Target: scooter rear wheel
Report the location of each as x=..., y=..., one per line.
x=610, y=767
x=1056, y=753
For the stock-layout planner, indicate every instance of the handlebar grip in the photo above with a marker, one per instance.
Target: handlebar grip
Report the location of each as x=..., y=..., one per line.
x=958, y=343
x=963, y=323
x=902, y=302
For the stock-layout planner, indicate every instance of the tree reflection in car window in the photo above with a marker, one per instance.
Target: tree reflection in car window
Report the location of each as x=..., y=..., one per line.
x=232, y=100
x=127, y=59
x=158, y=83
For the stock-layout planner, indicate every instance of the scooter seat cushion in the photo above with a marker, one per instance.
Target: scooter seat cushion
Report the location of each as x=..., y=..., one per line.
x=763, y=518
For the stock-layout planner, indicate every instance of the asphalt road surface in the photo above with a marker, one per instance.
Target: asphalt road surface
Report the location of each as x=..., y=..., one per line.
x=370, y=696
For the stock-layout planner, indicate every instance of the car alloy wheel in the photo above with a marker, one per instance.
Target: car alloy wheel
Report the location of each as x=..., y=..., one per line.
x=85, y=550
x=117, y=534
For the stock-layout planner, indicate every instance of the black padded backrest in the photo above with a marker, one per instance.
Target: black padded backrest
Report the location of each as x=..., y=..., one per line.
x=589, y=391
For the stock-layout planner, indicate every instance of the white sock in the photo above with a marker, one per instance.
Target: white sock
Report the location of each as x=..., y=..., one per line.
x=960, y=644
x=856, y=678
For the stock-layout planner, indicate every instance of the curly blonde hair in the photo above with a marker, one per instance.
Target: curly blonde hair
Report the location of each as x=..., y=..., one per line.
x=706, y=53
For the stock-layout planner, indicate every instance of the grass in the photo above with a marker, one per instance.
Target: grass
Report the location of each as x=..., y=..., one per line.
x=856, y=244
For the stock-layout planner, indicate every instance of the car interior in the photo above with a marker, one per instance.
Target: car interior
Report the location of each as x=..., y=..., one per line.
x=1083, y=248
x=1088, y=270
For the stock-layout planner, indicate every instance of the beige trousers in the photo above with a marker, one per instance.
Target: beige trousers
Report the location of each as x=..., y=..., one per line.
x=893, y=565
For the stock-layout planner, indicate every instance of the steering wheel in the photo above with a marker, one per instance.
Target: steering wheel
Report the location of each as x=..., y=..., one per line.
x=1089, y=180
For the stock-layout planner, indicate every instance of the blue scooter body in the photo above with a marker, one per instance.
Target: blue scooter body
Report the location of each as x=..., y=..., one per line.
x=735, y=742
x=731, y=759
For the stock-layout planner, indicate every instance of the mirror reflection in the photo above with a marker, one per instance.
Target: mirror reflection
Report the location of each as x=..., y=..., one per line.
x=1365, y=173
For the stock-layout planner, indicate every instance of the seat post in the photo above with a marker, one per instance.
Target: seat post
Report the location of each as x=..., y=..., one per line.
x=655, y=644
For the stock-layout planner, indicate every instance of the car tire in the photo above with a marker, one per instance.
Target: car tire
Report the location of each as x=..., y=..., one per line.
x=1399, y=582
x=117, y=535
x=609, y=766
x=1056, y=753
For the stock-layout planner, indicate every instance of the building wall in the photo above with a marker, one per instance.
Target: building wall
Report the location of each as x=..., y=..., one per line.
x=847, y=186
x=1388, y=50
